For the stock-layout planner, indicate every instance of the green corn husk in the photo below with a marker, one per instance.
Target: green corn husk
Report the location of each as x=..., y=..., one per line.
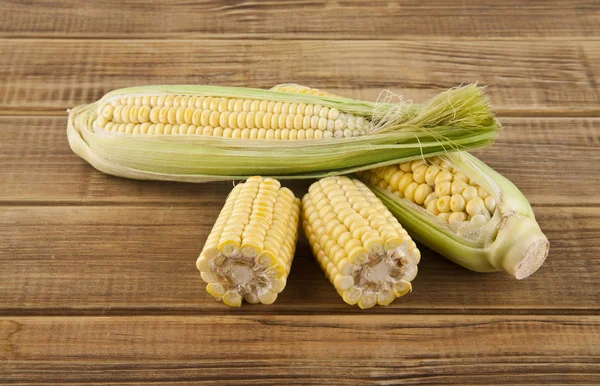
x=457, y=119
x=510, y=241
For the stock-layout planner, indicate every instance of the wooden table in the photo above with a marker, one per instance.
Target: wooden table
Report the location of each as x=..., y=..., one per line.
x=97, y=274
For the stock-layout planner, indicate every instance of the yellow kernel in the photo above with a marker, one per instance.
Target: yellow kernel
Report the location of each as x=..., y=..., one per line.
x=224, y=118
x=475, y=206
x=206, y=103
x=421, y=193
x=289, y=121
x=443, y=188
x=431, y=206
x=324, y=112
x=405, y=167
x=443, y=176
x=293, y=134
x=419, y=173
x=490, y=203
x=250, y=120
x=409, y=192
x=443, y=204
x=317, y=109
x=314, y=122
x=258, y=119
x=405, y=180
x=469, y=193
x=205, y=117
x=282, y=121
x=195, y=116
x=239, y=105
x=263, y=106
x=297, y=124
x=241, y=119
x=457, y=217
x=457, y=203
x=457, y=186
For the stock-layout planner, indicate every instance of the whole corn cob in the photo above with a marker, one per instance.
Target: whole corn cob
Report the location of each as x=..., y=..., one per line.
x=202, y=133
x=365, y=252
x=463, y=209
x=249, y=252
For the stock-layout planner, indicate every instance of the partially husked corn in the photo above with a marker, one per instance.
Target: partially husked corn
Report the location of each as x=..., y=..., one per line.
x=436, y=186
x=463, y=209
x=207, y=133
x=249, y=252
x=363, y=249
x=236, y=118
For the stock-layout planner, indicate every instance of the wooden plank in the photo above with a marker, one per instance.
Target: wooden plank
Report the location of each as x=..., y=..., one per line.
x=546, y=158
x=526, y=76
x=309, y=19
x=123, y=260
x=323, y=349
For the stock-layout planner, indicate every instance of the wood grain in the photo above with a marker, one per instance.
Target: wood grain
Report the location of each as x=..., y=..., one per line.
x=66, y=260
x=309, y=19
x=527, y=76
x=546, y=158
x=97, y=276
x=322, y=349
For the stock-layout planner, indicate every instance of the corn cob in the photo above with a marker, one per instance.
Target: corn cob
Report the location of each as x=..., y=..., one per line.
x=365, y=252
x=463, y=209
x=203, y=133
x=249, y=252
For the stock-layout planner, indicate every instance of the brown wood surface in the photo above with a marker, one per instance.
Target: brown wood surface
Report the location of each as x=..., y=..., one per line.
x=97, y=276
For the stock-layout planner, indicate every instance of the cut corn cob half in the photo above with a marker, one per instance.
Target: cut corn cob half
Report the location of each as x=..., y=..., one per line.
x=249, y=252
x=204, y=133
x=365, y=252
x=463, y=209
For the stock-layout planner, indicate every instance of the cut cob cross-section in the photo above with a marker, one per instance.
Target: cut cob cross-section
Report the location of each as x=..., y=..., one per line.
x=248, y=254
x=463, y=209
x=365, y=252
